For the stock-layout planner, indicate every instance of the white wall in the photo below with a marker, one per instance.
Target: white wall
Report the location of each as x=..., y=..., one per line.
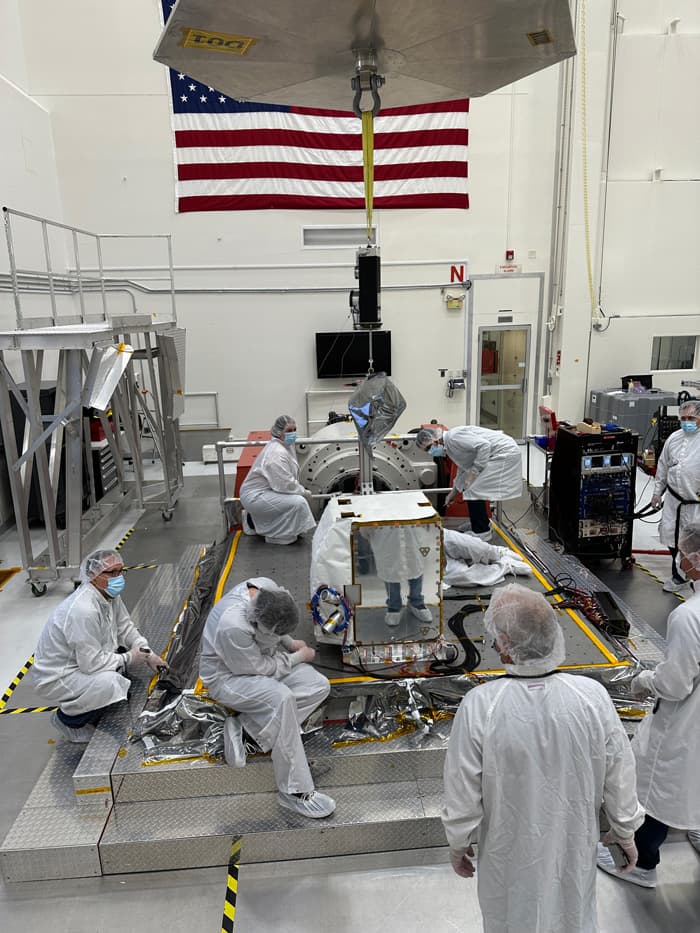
x=650, y=277
x=28, y=178
x=90, y=66
x=111, y=128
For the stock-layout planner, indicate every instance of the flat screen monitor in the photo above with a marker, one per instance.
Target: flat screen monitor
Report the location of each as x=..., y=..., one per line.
x=346, y=353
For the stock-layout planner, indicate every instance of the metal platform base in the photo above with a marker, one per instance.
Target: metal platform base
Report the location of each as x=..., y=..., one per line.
x=100, y=811
x=197, y=832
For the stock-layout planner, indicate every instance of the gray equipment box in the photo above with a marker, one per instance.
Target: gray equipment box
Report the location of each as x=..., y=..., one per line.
x=633, y=410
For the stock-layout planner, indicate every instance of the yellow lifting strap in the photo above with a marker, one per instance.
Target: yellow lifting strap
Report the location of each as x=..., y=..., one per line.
x=368, y=165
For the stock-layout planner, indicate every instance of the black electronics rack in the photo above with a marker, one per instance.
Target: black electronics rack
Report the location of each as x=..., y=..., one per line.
x=592, y=492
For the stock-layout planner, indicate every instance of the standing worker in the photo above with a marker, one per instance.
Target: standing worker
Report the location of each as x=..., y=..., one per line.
x=531, y=759
x=678, y=475
x=489, y=467
x=251, y=663
x=276, y=504
x=88, y=647
x=667, y=743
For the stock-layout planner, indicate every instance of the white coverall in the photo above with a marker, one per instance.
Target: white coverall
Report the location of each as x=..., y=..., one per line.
x=469, y=561
x=678, y=467
x=256, y=674
x=274, y=497
x=667, y=743
x=493, y=455
x=529, y=763
x=75, y=662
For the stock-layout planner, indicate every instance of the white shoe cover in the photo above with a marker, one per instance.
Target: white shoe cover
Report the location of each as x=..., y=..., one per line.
x=314, y=805
x=423, y=615
x=80, y=736
x=393, y=618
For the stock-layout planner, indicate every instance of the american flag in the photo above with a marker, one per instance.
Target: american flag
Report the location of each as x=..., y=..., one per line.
x=234, y=155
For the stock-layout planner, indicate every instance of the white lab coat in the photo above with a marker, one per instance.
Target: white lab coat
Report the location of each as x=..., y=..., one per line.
x=273, y=495
x=75, y=662
x=667, y=743
x=256, y=674
x=397, y=550
x=493, y=455
x=678, y=467
x=529, y=763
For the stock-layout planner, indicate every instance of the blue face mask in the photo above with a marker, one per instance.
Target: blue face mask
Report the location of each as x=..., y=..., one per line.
x=290, y=437
x=437, y=450
x=689, y=426
x=115, y=586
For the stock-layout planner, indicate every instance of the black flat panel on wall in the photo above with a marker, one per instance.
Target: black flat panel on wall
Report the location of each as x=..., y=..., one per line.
x=346, y=353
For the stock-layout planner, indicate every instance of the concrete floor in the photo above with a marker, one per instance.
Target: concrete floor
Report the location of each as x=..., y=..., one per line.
x=410, y=891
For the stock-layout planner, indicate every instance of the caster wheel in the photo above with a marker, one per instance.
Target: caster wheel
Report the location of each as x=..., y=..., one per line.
x=167, y=516
x=38, y=589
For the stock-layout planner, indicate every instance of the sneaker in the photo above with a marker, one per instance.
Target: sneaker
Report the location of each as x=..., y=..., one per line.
x=675, y=586
x=234, y=746
x=423, y=614
x=247, y=524
x=694, y=838
x=81, y=735
x=393, y=618
x=313, y=805
x=644, y=877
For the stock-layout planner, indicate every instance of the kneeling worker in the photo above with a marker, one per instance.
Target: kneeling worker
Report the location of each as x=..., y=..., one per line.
x=251, y=663
x=88, y=648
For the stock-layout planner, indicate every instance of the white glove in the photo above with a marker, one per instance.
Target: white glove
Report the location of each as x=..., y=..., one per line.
x=451, y=496
x=136, y=657
x=461, y=862
x=642, y=685
x=656, y=502
x=308, y=495
x=132, y=659
x=307, y=654
x=627, y=845
x=155, y=662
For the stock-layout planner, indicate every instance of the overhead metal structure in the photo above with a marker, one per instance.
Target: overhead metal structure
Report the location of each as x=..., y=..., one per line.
x=318, y=53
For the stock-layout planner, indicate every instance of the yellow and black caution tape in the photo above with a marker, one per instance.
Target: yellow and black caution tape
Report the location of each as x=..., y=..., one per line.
x=141, y=567
x=15, y=682
x=13, y=710
x=234, y=861
x=658, y=579
x=124, y=539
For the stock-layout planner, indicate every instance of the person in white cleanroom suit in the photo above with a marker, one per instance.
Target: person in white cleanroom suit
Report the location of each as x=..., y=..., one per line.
x=275, y=501
x=400, y=553
x=531, y=759
x=250, y=662
x=88, y=647
x=667, y=743
x=678, y=478
x=489, y=467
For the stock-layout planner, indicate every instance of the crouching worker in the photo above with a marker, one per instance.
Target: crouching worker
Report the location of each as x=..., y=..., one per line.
x=88, y=648
x=251, y=663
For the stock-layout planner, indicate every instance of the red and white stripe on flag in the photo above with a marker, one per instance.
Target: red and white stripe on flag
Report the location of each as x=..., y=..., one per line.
x=303, y=158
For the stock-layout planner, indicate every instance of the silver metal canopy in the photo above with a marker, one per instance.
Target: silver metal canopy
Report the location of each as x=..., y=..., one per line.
x=306, y=52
